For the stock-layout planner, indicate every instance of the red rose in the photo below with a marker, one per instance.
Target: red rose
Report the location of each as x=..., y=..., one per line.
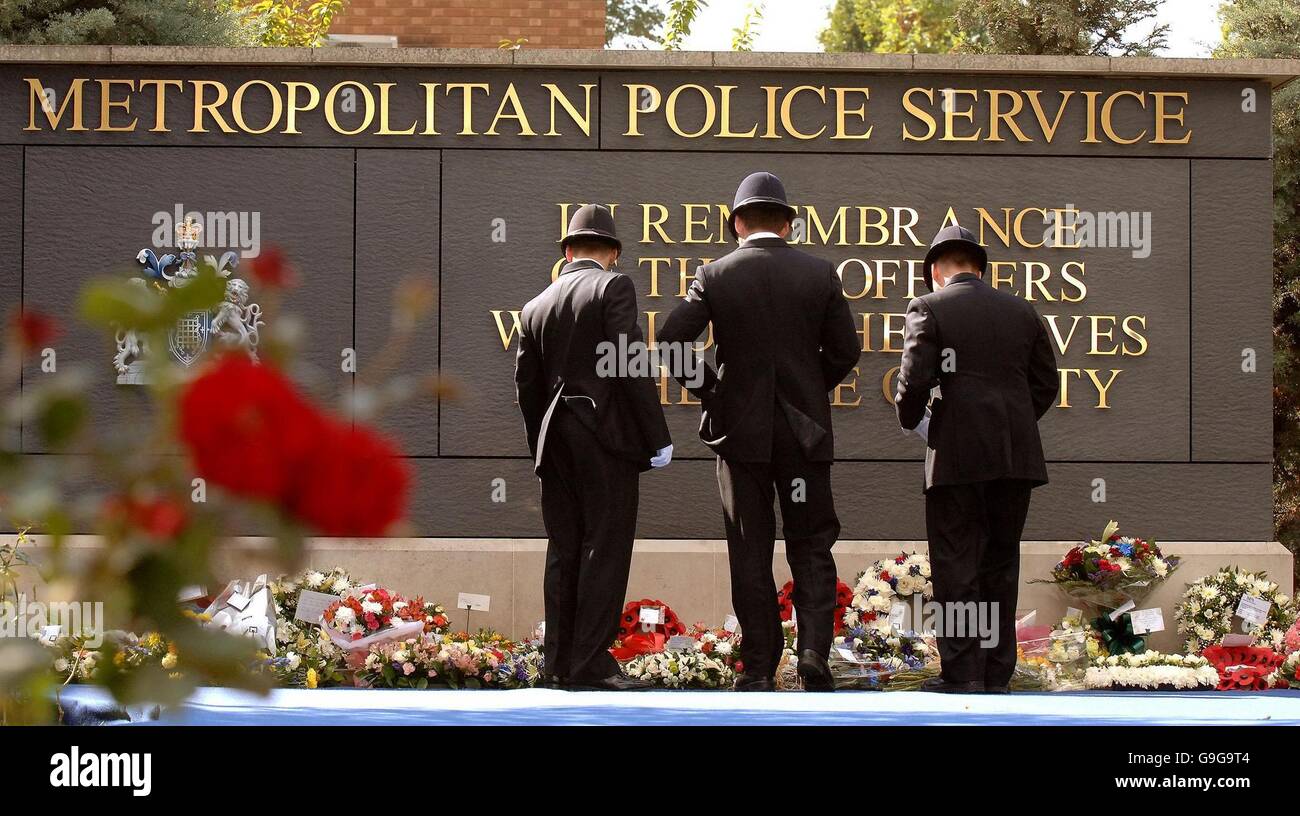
x=353, y=483
x=247, y=429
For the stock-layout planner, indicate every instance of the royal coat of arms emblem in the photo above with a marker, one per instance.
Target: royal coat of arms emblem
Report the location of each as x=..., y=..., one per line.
x=234, y=323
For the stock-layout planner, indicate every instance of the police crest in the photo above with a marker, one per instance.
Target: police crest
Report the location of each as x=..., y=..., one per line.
x=234, y=324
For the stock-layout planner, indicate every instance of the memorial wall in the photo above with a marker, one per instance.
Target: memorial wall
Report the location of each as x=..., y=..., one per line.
x=1132, y=210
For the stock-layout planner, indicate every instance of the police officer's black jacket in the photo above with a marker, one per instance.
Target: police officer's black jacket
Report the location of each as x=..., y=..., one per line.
x=989, y=353
x=784, y=338
x=556, y=366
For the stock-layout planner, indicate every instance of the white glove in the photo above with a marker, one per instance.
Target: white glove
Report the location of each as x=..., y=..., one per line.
x=922, y=428
x=662, y=457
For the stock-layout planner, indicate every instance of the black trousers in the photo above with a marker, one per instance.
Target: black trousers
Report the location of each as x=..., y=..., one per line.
x=589, y=504
x=810, y=527
x=974, y=532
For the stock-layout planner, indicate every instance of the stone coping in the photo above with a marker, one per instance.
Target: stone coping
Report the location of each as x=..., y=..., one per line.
x=1276, y=72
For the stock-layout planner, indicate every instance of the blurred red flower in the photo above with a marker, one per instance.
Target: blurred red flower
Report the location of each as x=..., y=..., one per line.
x=354, y=483
x=272, y=269
x=247, y=428
x=250, y=432
x=33, y=330
x=161, y=517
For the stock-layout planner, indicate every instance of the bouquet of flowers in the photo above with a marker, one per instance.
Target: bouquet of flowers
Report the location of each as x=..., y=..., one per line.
x=305, y=656
x=362, y=620
x=1207, y=608
x=286, y=589
x=1109, y=572
x=686, y=668
x=880, y=586
x=1058, y=660
x=719, y=643
x=1151, y=671
x=453, y=662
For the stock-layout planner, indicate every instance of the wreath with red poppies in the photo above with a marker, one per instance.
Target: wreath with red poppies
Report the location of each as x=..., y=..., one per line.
x=843, y=597
x=630, y=623
x=1243, y=668
x=633, y=640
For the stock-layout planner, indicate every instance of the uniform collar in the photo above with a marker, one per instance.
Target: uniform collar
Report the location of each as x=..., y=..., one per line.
x=763, y=239
x=581, y=263
x=965, y=277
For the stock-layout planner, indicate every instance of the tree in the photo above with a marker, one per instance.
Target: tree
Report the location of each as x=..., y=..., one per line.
x=119, y=22
x=677, y=26
x=634, y=20
x=895, y=26
x=1079, y=27
x=1271, y=28
x=742, y=36
x=287, y=23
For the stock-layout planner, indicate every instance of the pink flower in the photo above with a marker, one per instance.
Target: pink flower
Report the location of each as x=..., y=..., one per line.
x=408, y=668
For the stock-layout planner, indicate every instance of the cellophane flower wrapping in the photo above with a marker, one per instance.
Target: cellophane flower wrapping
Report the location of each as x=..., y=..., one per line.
x=1113, y=570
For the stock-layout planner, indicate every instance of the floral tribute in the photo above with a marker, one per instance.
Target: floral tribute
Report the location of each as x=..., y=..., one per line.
x=1151, y=671
x=881, y=585
x=1205, y=613
x=1244, y=668
x=843, y=597
x=484, y=660
x=712, y=662
x=1109, y=572
x=635, y=640
x=249, y=431
x=371, y=613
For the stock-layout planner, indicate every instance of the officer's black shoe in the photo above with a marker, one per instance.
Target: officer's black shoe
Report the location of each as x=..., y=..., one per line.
x=938, y=684
x=815, y=672
x=554, y=681
x=615, y=682
x=988, y=689
x=752, y=682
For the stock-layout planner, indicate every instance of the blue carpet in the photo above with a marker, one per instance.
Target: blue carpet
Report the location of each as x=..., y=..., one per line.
x=216, y=706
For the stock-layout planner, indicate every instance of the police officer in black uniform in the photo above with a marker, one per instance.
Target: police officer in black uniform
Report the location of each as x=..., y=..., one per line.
x=990, y=357
x=784, y=338
x=591, y=432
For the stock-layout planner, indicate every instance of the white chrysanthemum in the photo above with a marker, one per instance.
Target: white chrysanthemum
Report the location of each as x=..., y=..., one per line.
x=314, y=579
x=344, y=616
x=373, y=607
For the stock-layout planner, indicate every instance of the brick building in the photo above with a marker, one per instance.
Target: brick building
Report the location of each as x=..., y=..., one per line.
x=472, y=23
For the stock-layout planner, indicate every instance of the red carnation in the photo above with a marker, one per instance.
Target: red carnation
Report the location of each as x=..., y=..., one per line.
x=247, y=428
x=353, y=483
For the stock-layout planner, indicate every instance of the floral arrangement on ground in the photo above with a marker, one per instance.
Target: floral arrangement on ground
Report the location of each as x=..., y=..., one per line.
x=1207, y=609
